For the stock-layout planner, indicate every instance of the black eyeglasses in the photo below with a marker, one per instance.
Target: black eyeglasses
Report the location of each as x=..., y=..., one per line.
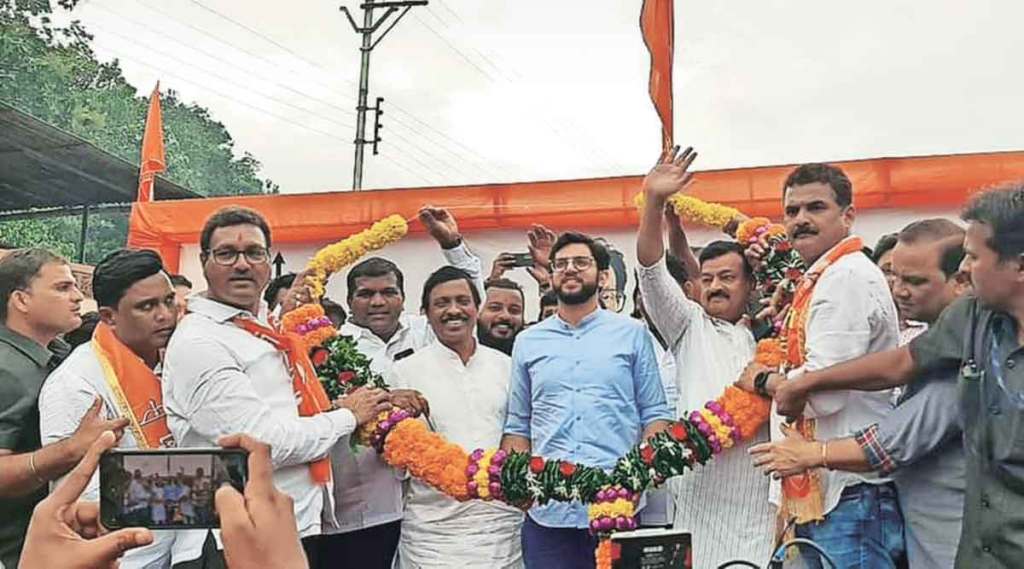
x=228, y=257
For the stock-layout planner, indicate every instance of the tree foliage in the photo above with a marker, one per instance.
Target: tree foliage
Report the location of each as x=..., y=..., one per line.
x=51, y=72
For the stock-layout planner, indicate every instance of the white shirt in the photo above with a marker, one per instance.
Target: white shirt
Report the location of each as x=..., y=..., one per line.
x=63, y=400
x=368, y=492
x=851, y=315
x=710, y=354
x=220, y=379
x=468, y=403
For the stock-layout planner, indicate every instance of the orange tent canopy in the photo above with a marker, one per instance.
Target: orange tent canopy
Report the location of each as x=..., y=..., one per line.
x=932, y=181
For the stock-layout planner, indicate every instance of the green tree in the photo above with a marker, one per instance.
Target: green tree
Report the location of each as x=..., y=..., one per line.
x=52, y=72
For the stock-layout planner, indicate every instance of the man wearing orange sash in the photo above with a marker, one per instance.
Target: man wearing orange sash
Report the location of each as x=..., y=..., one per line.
x=229, y=371
x=120, y=366
x=842, y=309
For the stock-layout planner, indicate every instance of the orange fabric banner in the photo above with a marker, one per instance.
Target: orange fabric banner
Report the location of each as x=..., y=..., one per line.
x=605, y=203
x=153, y=160
x=657, y=22
x=135, y=387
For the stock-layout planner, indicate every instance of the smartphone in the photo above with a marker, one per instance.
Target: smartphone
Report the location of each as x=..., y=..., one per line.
x=522, y=260
x=167, y=488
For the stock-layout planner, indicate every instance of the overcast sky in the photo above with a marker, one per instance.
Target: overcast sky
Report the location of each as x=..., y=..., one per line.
x=513, y=90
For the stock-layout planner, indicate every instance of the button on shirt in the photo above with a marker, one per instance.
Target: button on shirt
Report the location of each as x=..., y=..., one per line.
x=66, y=396
x=583, y=394
x=368, y=492
x=851, y=314
x=24, y=365
x=712, y=354
x=980, y=344
x=220, y=379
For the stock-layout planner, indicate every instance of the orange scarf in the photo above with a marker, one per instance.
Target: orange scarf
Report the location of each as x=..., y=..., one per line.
x=802, y=494
x=312, y=399
x=135, y=387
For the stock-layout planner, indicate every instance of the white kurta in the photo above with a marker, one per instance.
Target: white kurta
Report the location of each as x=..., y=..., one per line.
x=724, y=503
x=467, y=406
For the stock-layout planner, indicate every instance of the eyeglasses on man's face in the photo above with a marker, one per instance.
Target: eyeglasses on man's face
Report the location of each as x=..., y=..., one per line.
x=228, y=256
x=578, y=263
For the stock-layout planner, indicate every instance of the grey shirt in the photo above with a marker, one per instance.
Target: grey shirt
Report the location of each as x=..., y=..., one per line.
x=920, y=443
x=982, y=344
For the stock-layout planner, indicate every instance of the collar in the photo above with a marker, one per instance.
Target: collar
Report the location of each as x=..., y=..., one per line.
x=216, y=311
x=823, y=261
x=32, y=350
x=587, y=320
x=357, y=332
x=452, y=355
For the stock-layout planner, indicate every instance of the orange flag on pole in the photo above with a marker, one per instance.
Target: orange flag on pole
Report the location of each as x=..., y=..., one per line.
x=657, y=22
x=152, y=161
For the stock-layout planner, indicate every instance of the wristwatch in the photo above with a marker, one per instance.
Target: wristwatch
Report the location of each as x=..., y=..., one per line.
x=761, y=383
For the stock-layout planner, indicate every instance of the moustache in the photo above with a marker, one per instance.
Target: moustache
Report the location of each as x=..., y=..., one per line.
x=447, y=319
x=718, y=294
x=804, y=230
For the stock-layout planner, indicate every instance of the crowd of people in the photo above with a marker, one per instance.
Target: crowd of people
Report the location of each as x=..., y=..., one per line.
x=903, y=374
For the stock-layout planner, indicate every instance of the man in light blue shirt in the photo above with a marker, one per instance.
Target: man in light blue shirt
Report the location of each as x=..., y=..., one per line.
x=585, y=388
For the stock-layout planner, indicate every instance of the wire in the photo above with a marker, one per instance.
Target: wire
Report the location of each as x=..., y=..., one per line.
x=780, y=553
x=232, y=63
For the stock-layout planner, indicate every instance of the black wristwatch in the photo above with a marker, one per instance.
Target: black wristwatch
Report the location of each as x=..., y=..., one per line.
x=761, y=383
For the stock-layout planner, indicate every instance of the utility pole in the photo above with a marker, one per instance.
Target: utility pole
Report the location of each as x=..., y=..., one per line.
x=367, y=30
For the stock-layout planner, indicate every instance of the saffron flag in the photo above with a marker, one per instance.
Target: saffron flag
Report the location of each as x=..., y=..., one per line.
x=657, y=22
x=152, y=161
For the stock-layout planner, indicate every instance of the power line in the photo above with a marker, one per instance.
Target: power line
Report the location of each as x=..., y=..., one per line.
x=234, y=99
x=234, y=63
x=216, y=74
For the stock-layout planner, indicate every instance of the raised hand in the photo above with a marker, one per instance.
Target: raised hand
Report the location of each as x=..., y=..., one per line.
x=502, y=263
x=258, y=529
x=542, y=240
x=669, y=176
x=298, y=294
x=92, y=426
x=441, y=225
x=66, y=533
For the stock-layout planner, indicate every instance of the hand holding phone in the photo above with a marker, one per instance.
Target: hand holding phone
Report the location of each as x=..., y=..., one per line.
x=66, y=533
x=259, y=529
x=167, y=488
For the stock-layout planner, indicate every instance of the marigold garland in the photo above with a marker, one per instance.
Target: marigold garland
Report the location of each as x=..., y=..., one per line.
x=695, y=209
x=334, y=257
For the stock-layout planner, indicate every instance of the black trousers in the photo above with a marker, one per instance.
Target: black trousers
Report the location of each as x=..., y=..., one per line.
x=370, y=548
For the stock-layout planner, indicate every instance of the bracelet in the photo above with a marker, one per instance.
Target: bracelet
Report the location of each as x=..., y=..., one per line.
x=761, y=383
x=32, y=467
x=824, y=456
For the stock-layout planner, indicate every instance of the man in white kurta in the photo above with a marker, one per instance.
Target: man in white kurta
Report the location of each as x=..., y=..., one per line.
x=724, y=504
x=466, y=385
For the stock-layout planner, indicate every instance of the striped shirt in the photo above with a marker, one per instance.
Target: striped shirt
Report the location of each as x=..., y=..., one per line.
x=724, y=503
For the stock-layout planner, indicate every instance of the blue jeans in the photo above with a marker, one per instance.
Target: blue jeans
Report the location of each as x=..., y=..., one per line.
x=557, y=548
x=864, y=531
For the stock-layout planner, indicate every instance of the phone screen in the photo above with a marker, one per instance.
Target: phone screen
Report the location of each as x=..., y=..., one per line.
x=168, y=488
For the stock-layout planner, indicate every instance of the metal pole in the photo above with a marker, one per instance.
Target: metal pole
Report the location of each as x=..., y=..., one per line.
x=364, y=90
x=369, y=28
x=84, y=233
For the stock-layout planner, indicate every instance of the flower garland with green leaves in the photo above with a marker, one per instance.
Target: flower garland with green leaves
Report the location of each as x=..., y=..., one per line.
x=521, y=479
